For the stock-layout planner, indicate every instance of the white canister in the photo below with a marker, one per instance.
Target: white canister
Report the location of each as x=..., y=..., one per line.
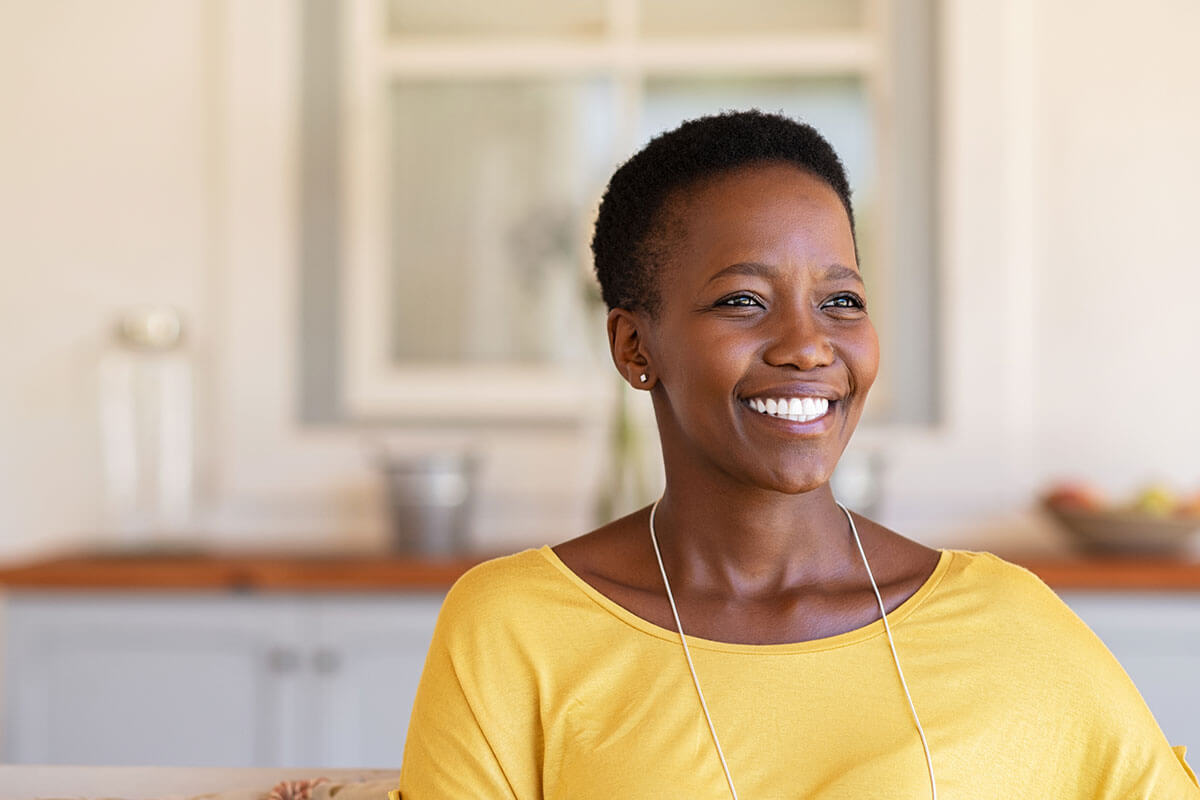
x=147, y=429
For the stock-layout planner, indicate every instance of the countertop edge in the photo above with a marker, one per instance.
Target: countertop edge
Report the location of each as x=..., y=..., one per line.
x=389, y=573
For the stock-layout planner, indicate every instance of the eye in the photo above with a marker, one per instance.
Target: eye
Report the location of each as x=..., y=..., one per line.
x=742, y=300
x=847, y=301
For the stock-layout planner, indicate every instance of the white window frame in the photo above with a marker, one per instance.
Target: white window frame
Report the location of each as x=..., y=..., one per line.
x=376, y=386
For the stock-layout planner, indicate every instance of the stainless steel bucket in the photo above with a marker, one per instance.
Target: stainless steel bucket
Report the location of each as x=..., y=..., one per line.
x=430, y=497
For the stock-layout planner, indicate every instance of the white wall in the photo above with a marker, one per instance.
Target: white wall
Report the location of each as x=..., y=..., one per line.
x=146, y=157
x=1069, y=174
x=1116, y=307
x=105, y=189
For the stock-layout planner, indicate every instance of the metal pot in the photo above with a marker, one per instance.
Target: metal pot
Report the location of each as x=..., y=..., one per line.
x=430, y=498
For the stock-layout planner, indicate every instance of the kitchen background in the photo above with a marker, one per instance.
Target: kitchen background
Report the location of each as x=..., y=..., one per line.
x=369, y=221
x=1028, y=171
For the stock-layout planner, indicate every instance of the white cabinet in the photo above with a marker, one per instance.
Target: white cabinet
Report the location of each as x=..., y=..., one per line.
x=1156, y=637
x=159, y=678
x=366, y=671
x=193, y=680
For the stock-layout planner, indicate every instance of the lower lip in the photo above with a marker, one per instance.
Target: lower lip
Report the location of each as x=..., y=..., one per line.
x=812, y=427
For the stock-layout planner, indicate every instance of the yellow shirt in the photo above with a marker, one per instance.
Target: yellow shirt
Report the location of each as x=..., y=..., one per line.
x=538, y=686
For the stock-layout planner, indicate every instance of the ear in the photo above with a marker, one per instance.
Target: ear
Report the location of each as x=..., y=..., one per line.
x=627, y=343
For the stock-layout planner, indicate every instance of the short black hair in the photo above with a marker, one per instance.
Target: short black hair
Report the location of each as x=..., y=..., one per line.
x=628, y=243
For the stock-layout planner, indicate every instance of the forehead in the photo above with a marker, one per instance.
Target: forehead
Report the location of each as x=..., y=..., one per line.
x=742, y=191
x=775, y=212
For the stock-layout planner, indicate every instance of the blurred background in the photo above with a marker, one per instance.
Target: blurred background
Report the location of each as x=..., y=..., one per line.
x=371, y=219
x=300, y=276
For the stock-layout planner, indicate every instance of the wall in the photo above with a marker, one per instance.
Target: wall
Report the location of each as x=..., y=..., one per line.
x=1118, y=278
x=105, y=200
x=1068, y=172
x=147, y=156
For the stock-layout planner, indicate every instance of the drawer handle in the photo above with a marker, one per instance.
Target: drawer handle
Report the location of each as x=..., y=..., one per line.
x=282, y=660
x=326, y=661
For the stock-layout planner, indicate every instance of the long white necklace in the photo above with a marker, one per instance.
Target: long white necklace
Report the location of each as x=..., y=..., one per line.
x=887, y=629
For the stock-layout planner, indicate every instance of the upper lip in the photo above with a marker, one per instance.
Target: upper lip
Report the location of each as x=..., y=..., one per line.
x=795, y=390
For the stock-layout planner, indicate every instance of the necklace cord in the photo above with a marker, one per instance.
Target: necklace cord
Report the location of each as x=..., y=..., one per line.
x=892, y=644
x=695, y=680
x=688, y=655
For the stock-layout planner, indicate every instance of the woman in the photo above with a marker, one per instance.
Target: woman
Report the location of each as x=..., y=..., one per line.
x=726, y=254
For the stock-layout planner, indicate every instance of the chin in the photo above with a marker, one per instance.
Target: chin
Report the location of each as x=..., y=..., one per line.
x=798, y=481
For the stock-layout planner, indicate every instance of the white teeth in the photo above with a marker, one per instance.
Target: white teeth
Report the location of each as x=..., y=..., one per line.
x=798, y=409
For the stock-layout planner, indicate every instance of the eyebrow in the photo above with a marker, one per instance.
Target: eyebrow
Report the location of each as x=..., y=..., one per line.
x=833, y=272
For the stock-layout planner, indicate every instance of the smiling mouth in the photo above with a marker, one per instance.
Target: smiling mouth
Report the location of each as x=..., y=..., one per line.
x=793, y=409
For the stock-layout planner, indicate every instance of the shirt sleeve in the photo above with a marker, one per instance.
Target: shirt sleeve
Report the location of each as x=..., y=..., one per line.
x=1180, y=753
x=447, y=753
x=1110, y=734
x=1135, y=760
x=474, y=730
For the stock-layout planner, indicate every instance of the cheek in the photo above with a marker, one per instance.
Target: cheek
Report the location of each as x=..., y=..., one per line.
x=865, y=355
x=721, y=358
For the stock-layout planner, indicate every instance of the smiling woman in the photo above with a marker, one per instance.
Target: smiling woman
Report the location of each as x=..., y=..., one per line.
x=747, y=633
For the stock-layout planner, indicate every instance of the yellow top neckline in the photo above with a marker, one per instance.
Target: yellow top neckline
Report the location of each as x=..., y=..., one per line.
x=896, y=616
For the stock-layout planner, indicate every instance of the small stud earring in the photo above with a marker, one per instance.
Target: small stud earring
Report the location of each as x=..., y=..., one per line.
x=643, y=377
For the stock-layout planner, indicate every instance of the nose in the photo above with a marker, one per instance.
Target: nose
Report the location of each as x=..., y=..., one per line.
x=798, y=338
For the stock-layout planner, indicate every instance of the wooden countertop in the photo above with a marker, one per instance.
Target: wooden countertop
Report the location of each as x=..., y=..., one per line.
x=239, y=573
x=1115, y=573
x=392, y=573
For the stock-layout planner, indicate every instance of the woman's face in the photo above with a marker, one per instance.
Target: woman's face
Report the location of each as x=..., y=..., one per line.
x=762, y=351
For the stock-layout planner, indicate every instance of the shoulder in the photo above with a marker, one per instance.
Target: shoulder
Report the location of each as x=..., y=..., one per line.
x=505, y=585
x=978, y=565
x=1026, y=642
x=999, y=604
x=989, y=579
x=517, y=600
x=1031, y=663
x=1008, y=612
x=487, y=577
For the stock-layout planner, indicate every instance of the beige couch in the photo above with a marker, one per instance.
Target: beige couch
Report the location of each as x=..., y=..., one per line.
x=23, y=782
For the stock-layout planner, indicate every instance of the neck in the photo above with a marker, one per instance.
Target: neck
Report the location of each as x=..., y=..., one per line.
x=746, y=541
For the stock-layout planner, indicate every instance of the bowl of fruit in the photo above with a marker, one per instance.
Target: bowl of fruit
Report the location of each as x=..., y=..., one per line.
x=1154, y=522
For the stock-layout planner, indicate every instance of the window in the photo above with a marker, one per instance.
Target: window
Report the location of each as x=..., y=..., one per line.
x=473, y=141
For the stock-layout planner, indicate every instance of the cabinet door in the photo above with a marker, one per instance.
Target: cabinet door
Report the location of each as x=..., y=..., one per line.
x=367, y=666
x=150, y=680
x=1156, y=637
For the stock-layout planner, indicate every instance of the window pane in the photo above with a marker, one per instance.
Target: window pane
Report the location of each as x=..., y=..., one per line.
x=722, y=17
x=495, y=18
x=493, y=185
